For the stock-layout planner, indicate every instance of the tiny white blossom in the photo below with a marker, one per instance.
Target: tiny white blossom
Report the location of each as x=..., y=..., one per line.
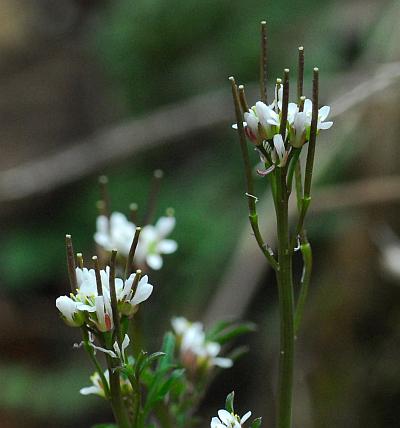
x=152, y=242
x=195, y=350
x=115, y=233
x=97, y=388
x=323, y=113
x=228, y=420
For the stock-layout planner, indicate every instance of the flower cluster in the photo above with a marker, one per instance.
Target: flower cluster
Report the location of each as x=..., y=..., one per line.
x=195, y=350
x=263, y=123
x=91, y=307
x=117, y=232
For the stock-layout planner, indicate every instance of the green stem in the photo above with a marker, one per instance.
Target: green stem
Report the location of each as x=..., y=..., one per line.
x=286, y=304
x=306, y=252
x=118, y=407
x=93, y=359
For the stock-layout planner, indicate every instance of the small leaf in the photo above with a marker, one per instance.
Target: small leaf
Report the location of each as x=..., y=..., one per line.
x=168, y=348
x=148, y=360
x=216, y=329
x=226, y=336
x=229, y=402
x=256, y=423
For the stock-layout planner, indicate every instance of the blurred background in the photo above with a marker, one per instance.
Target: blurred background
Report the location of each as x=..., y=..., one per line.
x=122, y=87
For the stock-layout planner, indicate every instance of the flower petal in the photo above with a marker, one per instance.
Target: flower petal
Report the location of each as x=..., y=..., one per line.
x=323, y=112
x=245, y=417
x=154, y=261
x=167, y=246
x=325, y=125
x=165, y=226
x=224, y=363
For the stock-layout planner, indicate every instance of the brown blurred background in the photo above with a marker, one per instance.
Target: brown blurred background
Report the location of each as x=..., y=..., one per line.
x=123, y=87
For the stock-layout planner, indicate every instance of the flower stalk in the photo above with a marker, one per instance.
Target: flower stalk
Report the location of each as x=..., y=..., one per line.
x=279, y=132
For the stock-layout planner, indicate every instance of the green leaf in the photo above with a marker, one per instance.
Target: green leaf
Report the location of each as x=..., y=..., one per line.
x=226, y=336
x=216, y=329
x=229, y=402
x=256, y=423
x=168, y=349
x=146, y=362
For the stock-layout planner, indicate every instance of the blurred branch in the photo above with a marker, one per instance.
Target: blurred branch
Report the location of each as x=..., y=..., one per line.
x=248, y=267
x=169, y=123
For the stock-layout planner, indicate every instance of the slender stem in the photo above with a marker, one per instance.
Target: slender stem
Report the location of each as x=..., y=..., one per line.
x=300, y=73
x=251, y=199
x=292, y=166
x=93, y=359
x=299, y=185
x=263, y=62
x=306, y=252
x=153, y=196
x=131, y=255
x=113, y=295
x=105, y=195
x=119, y=410
x=71, y=263
x=286, y=306
x=305, y=203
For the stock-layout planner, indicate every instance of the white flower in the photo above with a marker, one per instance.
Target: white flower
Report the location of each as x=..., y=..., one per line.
x=152, y=242
x=97, y=307
x=323, y=113
x=194, y=348
x=228, y=420
x=97, y=388
x=128, y=298
x=69, y=311
x=115, y=233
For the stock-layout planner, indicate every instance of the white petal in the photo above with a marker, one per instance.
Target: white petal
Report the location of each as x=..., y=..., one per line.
x=102, y=224
x=225, y=416
x=125, y=343
x=325, y=125
x=279, y=145
x=323, y=112
x=180, y=325
x=224, y=363
x=165, y=226
x=154, y=261
x=245, y=417
x=90, y=390
x=167, y=246
x=215, y=423
x=143, y=292
x=307, y=106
